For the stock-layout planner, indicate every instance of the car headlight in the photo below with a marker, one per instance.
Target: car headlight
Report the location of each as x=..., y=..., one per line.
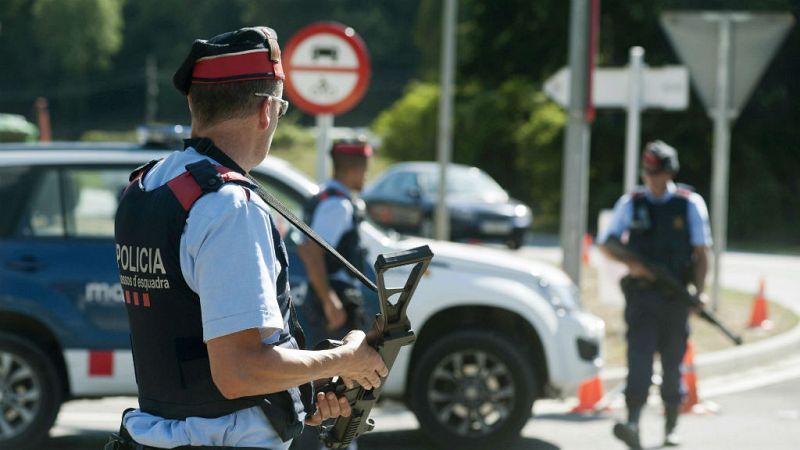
x=563, y=298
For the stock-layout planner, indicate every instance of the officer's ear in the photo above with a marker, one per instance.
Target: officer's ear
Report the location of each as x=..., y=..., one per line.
x=264, y=110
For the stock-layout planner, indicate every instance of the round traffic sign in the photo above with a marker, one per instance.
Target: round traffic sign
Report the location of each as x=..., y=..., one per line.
x=327, y=68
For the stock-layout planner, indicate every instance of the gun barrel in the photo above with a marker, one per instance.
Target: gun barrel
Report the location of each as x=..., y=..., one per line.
x=714, y=320
x=671, y=286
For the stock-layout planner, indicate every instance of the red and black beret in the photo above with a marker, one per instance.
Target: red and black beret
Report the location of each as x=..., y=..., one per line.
x=658, y=155
x=245, y=54
x=356, y=147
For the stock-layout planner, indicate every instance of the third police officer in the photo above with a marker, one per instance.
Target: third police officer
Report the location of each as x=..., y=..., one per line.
x=667, y=224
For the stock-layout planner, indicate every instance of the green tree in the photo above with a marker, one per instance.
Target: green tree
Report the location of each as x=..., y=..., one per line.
x=408, y=128
x=78, y=35
x=506, y=49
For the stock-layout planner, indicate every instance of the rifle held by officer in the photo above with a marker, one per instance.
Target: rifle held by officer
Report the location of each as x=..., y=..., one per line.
x=669, y=285
x=390, y=331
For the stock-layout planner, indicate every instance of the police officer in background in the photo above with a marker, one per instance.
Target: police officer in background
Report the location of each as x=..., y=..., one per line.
x=334, y=302
x=216, y=345
x=665, y=223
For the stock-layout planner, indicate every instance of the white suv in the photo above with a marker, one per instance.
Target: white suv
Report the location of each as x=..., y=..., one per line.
x=494, y=331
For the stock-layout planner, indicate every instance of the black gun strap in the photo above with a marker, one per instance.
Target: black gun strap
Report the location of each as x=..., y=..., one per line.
x=275, y=204
x=205, y=146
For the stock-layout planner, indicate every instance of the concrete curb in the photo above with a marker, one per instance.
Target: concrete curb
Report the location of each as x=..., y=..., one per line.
x=730, y=360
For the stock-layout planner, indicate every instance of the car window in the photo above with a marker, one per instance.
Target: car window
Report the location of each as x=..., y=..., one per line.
x=16, y=188
x=398, y=183
x=91, y=196
x=43, y=216
x=290, y=198
x=467, y=181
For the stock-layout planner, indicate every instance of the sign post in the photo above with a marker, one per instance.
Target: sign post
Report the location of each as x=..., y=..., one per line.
x=327, y=73
x=444, y=144
x=634, y=88
x=726, y=52
x=575, y=178
x=633, y=122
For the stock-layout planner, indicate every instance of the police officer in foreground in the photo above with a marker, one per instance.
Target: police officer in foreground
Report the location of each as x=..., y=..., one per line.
x=216, y=345
x=665, y=223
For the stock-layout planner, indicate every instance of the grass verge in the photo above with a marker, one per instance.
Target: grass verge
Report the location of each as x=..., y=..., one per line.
x=734, y=311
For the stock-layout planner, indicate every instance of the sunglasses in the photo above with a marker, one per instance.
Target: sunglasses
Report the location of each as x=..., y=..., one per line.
x=284, y=104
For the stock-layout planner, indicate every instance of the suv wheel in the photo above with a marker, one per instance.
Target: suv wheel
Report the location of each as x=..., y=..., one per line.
x=30, y=393
x=473, y=390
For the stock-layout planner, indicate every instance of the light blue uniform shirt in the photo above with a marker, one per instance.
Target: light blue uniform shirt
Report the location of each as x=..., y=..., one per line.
x=699, y=229
x=227, y=258
x=332, y=219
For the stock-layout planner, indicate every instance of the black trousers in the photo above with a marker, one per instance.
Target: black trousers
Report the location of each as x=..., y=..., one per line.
x=655, y=324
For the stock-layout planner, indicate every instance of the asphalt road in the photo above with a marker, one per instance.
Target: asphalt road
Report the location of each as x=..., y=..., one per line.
x=758, y=409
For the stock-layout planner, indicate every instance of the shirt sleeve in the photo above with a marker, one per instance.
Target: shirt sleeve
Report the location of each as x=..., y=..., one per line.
x=620, y=220
x=699, y=228
x=332, y=218
x=228, y=259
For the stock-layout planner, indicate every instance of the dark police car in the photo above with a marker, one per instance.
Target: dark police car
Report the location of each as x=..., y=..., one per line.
x=494, y=332
x=404, y=198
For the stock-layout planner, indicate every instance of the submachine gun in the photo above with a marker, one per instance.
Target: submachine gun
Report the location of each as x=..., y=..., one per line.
x=671, y=286
x=390, y=332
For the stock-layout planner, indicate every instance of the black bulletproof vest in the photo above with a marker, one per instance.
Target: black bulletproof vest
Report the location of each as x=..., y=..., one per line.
x=170, y=358
x=349, y=245
x=660, y=232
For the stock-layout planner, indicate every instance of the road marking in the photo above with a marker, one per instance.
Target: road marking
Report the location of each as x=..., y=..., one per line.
x=775, y=373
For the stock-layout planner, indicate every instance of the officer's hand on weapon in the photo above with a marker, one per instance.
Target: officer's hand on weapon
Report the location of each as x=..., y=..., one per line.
x=335, y=314
x=702, y=301
x=639, y=270
x=364, y=365
x=328, y=407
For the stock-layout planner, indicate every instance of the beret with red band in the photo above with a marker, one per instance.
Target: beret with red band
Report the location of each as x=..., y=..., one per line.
x=357, y=148
x=658, y=155
x=245, y=54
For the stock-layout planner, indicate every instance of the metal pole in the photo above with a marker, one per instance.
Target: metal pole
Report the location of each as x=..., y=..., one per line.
x=444, y=148
x=719, y=176
x=633, y=128
x=576, y=146
x=324, y=124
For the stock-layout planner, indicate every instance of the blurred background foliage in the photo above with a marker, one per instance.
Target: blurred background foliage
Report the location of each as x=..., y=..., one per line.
x=87, y=57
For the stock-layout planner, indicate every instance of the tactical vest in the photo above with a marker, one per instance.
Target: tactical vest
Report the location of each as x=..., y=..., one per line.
x=660, y=232
x=170, y=358
x=349, y=245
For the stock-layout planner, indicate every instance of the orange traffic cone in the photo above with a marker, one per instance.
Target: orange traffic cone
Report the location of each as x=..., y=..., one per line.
x=589, y=393
x=689, y=379
x=586, y=246
x=758, y=318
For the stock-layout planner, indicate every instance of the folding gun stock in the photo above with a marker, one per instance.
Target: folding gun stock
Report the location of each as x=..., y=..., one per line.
x=393, y=332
